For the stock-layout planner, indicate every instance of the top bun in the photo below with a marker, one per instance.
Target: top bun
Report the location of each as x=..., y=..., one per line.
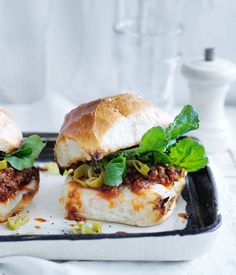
x=10, y=135
x=104, y=126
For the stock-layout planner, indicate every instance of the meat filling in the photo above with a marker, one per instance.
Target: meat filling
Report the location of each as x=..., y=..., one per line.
x=161, y=174
x=12, y=180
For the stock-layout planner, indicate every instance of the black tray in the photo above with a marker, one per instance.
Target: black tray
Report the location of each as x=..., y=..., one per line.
x=200, y=193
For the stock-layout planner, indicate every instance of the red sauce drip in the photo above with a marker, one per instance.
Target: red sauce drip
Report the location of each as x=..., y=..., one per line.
x=120, y=232
x=108, y=193
x=74, y=203
x=184, y=215
x=73, y=213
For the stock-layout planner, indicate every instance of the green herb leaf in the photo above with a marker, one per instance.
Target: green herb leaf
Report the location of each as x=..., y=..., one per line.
x=26, y=155
x=115, y=171
x=129, y=152
x=188, y=154
x=153, y=140
x=161, y=158
x=186, y=121
x=22, y=152
x=20, y=163
x=35, y=143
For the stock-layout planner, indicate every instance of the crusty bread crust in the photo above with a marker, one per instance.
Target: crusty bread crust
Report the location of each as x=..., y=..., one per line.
x=106, y=125
x=141, y=209
x=10, y=135
x=23, y=203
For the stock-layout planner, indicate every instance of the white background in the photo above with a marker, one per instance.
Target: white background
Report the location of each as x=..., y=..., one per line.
x=87, y=47
x=77, y=60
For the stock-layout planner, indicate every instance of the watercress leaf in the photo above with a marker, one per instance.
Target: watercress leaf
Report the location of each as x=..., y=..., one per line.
x=102, y=163
x=20, y=163
x=160, y=157
x=28, y=152
x=35, y=143
x=129, y=152
x=146, y=156
x=22, y=152
x=115, y=170
x=186, y=121
x=154, y=157
x=153, y=140
x=188, y=154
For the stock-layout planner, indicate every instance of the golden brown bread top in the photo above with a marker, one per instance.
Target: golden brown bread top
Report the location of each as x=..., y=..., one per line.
x=103, y=126
x=10, y=135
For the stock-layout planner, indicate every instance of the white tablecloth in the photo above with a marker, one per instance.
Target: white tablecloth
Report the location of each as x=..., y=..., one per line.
x=221, y=259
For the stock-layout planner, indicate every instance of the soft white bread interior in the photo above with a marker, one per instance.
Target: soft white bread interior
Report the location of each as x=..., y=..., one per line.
x=106, y=125
x=19, y=202
x=151, y=206
x=10, y=135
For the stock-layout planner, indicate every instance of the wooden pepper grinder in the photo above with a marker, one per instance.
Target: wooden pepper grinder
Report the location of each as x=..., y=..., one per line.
x=209, y=80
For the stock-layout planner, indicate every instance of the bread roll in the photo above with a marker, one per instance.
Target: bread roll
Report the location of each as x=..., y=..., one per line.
x=106, y=125
x=10, y=135
x=10, y=140
x=20, y=201
x=151, y=206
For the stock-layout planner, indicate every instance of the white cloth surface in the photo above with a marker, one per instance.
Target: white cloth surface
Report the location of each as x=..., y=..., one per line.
x=219, y=260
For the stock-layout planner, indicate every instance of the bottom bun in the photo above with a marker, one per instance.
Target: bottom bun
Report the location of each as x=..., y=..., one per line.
x=19, y=202
x=148, y=207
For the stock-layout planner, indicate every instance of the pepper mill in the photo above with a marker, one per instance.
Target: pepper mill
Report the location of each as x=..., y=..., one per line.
x=209, y=81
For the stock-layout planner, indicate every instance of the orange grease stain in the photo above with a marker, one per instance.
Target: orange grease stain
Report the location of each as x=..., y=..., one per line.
x=40, y=220
x=137, y=205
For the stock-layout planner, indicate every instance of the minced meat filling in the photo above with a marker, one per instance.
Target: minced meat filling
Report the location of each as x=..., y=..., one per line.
x=161, y=174
x=12, y=180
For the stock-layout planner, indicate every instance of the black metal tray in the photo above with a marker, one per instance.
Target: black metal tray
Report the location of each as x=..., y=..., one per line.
x=200, y=194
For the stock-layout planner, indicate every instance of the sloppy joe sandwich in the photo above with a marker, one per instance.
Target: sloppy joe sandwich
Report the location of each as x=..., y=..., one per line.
x=126, y=159
x=19, y=179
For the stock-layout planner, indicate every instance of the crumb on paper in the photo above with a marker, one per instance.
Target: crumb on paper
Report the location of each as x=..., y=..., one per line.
x=72, y=224
x=50, y=167
x=37, y=227
x=84, y=227
x=17, y=221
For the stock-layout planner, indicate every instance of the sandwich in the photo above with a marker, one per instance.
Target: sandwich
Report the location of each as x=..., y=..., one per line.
x=19, y=179
x=126, y=160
